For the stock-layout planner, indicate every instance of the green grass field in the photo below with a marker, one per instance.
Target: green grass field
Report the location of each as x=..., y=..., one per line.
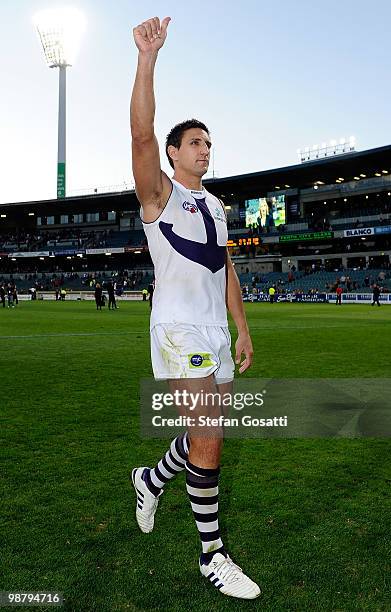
x=308, y=519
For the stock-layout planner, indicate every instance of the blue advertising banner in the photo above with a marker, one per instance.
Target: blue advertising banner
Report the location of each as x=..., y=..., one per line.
x=383, y=229
x=68, y=251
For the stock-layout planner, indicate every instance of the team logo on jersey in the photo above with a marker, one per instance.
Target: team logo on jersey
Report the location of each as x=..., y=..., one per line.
x=219, y=215
x=193, y=208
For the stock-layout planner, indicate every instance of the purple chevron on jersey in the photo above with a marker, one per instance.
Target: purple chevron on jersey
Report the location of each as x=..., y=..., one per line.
x=210, y=255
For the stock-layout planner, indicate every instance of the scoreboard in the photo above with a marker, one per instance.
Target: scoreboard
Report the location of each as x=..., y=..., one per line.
x=244, y=242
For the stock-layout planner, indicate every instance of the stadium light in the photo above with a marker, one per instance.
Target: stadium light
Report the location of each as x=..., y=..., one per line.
x=334, y=147
x=60, y=32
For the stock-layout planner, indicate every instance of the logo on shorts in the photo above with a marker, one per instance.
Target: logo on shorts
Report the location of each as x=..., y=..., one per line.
x=193, y=208
x=201, y=360
x=196, y=360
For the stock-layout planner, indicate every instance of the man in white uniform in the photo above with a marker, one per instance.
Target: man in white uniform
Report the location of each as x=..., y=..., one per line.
x=195, y=284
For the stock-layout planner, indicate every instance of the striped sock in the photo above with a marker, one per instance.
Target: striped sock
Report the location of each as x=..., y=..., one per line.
x=173, y=462
x=203, y=488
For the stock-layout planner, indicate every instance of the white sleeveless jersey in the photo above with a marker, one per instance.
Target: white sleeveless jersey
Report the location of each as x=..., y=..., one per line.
x=187, y=244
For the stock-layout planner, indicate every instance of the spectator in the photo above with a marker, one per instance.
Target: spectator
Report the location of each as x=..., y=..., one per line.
x=98, y=296
x=272, y=292
x=376, y=295
x=151, y=289
x=111, y=293
x=339, y=292
x=10, y=296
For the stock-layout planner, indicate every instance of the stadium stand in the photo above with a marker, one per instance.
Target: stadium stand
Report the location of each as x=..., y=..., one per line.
x=318, y=229
x=352, y=281
x=126, y=280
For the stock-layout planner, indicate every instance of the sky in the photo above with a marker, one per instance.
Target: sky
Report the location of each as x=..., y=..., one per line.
x=267, y=78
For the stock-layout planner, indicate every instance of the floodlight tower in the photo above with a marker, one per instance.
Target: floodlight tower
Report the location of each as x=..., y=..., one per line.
x=60, y=31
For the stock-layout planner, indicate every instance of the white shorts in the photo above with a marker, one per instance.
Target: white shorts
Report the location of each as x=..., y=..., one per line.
x=191, y=351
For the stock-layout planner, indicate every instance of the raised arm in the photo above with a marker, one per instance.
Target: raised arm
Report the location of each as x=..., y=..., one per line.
x=153, y=187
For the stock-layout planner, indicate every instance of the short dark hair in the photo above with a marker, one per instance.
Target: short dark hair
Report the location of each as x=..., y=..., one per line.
x=174, y=138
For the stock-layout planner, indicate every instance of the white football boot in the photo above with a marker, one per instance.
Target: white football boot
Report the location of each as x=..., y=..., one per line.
x=147, y=503
x=229, y=578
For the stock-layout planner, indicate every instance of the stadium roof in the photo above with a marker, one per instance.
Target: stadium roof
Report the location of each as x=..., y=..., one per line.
x=299, y=176
x=305, y=175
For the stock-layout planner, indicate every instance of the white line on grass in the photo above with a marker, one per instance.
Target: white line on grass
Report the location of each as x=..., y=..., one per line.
x=143, y=331
x=75, y=334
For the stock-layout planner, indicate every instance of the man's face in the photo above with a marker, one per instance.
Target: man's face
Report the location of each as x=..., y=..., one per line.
x=194, y=152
